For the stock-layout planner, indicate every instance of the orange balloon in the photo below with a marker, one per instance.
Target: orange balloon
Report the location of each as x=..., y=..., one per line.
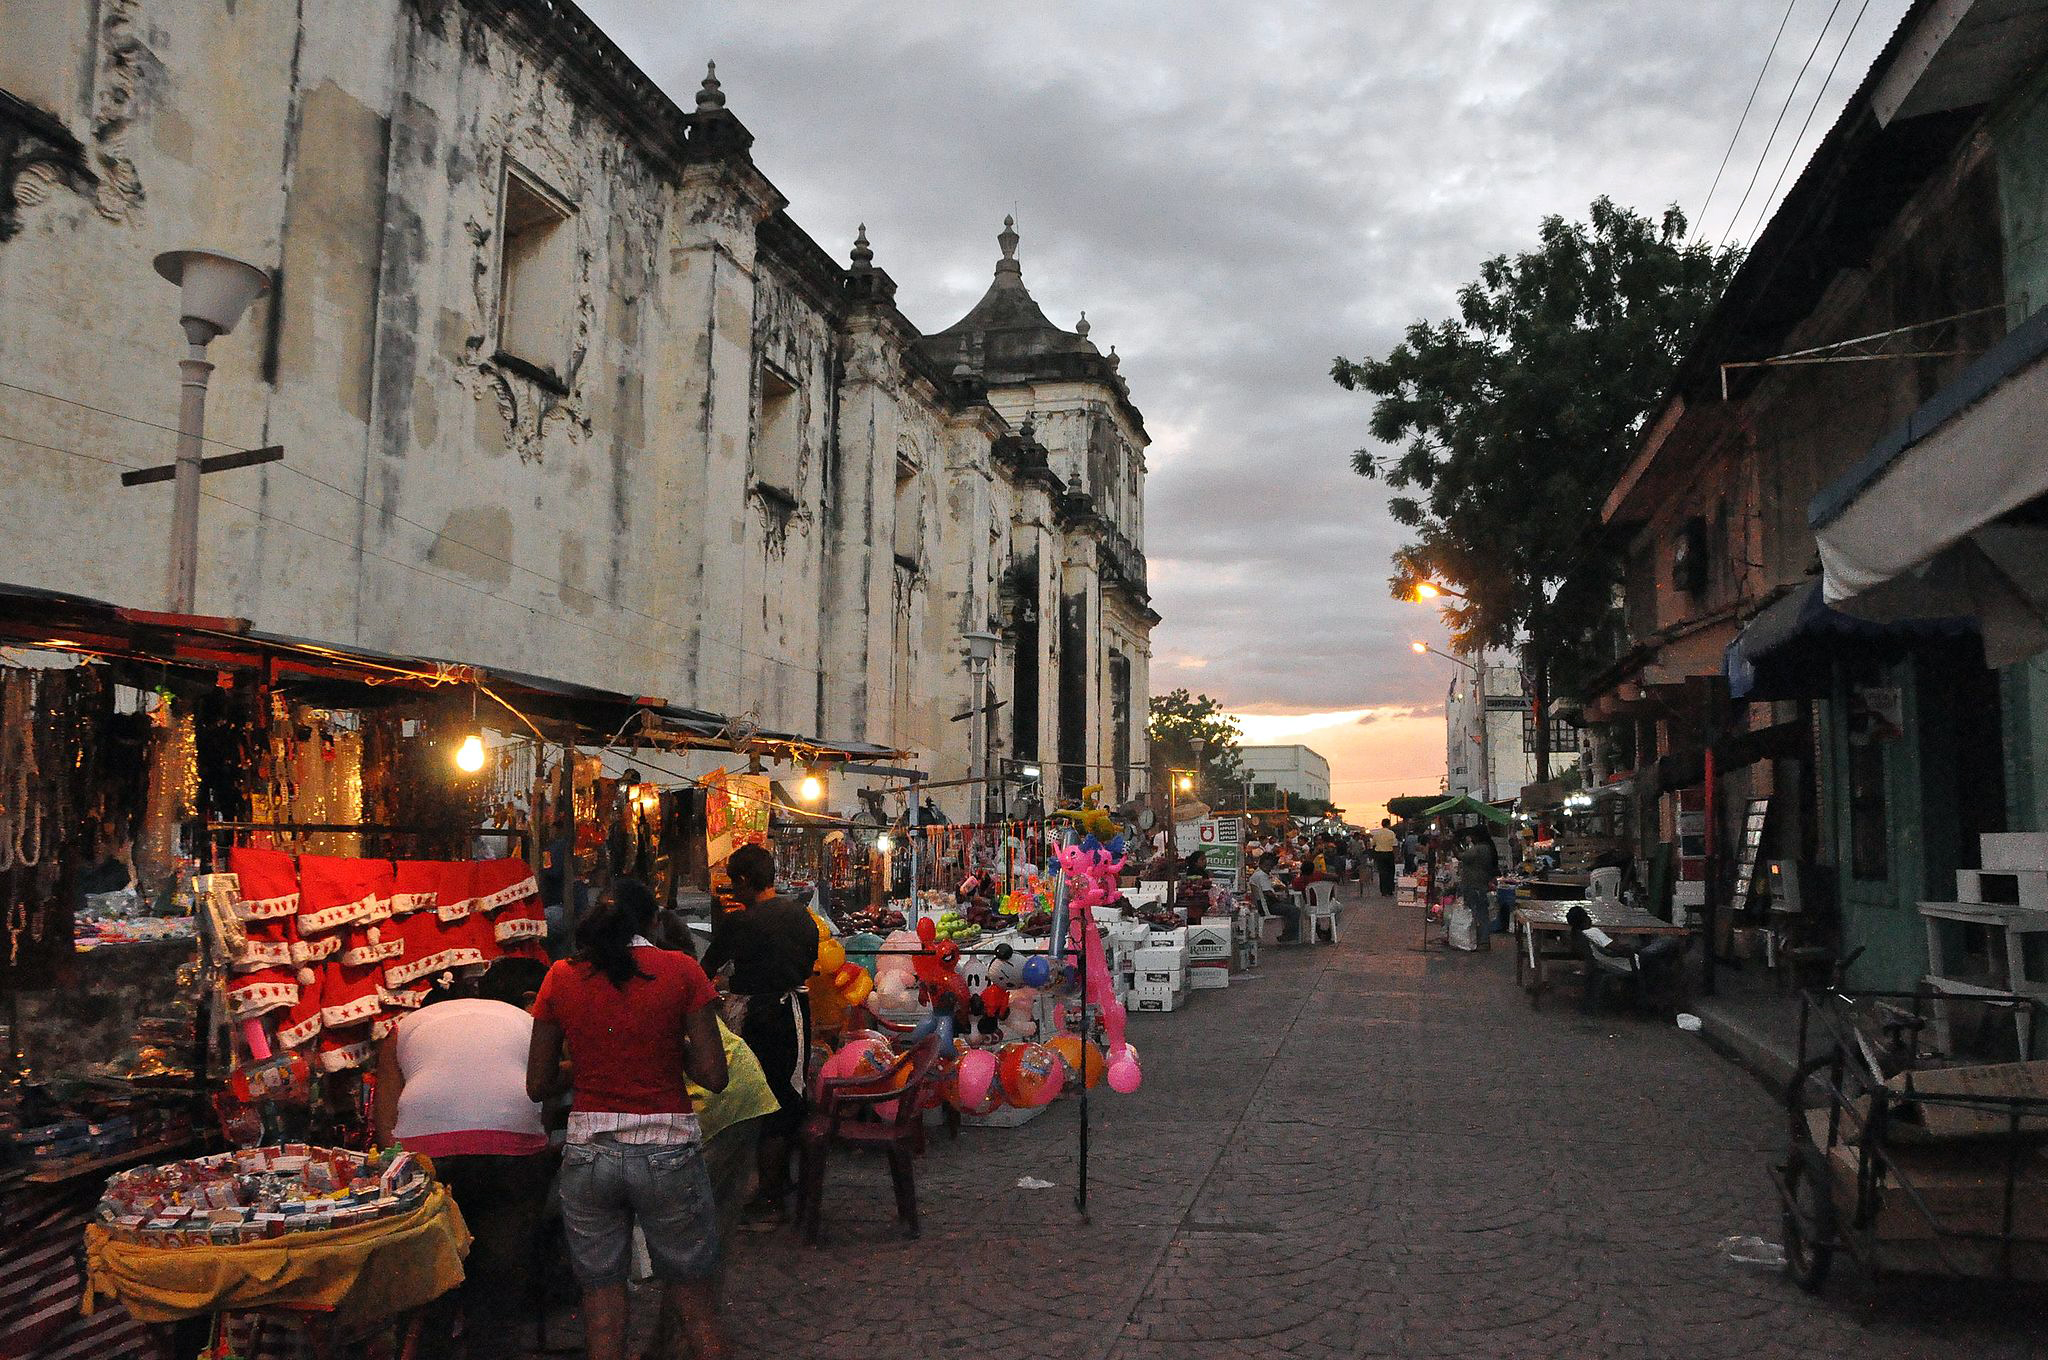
x=1075, y=1052
x=831, y=954
x=1030, y=1074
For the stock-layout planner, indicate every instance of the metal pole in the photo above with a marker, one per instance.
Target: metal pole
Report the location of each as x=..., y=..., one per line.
x=193, y=372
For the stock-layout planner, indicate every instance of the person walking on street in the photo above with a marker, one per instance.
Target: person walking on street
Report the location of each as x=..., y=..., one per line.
x=771, y=942
x=636, y=1022
x=1384, y=843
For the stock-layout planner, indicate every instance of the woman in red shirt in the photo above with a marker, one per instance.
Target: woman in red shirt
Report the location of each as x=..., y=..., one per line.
x=636, y=1022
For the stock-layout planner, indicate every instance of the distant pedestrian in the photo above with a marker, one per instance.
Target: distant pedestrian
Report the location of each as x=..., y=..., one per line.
x=1478, y=866
x=1384, y=843
x=1411, y=849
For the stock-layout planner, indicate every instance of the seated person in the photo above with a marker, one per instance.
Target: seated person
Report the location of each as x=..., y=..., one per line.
x=1270, y=898
x=1647, y=962
x=1191, y=898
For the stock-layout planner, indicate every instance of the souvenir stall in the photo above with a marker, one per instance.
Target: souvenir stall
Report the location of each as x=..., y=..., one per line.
x=230, y=861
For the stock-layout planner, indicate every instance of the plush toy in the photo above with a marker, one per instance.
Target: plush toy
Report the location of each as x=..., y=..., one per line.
x=990, y=1006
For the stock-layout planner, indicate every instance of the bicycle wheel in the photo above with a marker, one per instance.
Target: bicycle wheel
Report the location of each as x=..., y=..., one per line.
x=1809, y=1217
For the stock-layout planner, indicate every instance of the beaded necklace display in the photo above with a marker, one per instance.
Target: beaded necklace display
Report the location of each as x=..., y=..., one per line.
x=21, y=815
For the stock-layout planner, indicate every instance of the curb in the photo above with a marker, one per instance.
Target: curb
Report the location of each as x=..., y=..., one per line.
x=1747, y=1048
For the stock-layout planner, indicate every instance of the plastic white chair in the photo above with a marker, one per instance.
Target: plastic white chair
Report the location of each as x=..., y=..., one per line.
x=1604, y=884
x=1322, y=906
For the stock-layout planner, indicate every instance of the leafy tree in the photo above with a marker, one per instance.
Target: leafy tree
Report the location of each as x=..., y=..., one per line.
x=1512, y=421
x=1412, y=805
x=1180, y=722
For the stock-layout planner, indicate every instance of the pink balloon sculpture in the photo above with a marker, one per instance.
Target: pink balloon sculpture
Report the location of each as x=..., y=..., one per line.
x=1091, y=883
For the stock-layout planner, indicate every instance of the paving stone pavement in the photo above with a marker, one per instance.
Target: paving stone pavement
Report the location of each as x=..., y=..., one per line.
x=1365, y=1150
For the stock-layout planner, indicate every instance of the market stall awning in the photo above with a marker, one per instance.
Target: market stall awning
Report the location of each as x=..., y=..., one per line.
x=1464, y=803
x=346, y=675
x=1948, y=514
x=1783, y=653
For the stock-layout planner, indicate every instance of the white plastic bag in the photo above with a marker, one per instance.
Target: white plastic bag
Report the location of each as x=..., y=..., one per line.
x=1460, y=930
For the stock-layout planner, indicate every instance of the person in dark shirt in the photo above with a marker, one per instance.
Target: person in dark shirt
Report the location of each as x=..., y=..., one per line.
x=771, y=943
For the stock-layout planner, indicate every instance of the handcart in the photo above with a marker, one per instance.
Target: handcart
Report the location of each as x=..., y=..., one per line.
x=1909, y=1156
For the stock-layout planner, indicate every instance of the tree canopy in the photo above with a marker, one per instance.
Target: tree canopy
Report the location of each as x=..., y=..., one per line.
x=1409, y=805
x=1503, y=428
x=1178, y=722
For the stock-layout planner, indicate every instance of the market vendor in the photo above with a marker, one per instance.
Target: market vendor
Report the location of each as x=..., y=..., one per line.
x=771, y=945
x=451, y=1083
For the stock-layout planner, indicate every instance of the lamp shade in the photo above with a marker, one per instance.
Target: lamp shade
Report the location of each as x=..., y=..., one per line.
x=980, y=646
x=216, y=288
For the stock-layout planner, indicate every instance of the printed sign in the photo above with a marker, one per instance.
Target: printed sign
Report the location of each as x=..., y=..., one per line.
x=1221, y=841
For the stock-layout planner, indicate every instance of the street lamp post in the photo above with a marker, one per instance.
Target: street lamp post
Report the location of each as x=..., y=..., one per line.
x=214, y=291
x=981, y=653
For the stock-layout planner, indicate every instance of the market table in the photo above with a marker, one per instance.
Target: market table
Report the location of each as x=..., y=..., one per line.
x=1537, y=919
x=344, y=1279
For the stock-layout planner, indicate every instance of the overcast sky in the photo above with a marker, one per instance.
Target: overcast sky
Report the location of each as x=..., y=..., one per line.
x=1235, y=193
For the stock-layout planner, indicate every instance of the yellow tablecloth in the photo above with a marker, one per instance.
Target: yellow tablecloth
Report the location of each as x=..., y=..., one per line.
x=361, y=1273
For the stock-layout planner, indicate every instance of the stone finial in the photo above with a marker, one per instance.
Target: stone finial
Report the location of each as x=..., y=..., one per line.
x=863, y=255
x=1007, y=239
x=1081, y=326
x=961, y=372
x=709, y=95
x=1114, y=358
x=1028, y=430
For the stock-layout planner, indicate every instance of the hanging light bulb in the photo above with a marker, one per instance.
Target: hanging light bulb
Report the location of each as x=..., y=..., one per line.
x=885, y=842
x=812, y=789
x=469, y=757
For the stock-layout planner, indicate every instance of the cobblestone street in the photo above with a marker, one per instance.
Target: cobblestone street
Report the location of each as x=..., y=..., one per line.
x=1363, y=1151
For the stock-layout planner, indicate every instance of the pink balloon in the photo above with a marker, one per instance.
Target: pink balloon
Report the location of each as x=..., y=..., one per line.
x=1124, y=1077
x=845, y=1062
x=977, y=1072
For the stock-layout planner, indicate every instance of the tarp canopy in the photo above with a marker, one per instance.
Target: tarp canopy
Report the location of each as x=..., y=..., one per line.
x=1948, y=515
x=1463, y=803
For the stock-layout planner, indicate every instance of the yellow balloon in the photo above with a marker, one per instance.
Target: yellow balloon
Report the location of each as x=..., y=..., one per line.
x=824, y=928
x=831, y=954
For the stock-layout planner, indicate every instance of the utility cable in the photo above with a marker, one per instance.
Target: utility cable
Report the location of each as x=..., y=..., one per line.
x=1779, y=121
x=1700, y=221
x=1792, y=153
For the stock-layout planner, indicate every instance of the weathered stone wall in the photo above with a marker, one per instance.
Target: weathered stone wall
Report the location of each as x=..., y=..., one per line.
x=708, y=475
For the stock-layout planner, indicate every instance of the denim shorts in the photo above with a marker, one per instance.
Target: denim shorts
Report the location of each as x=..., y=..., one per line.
x=607, y=1187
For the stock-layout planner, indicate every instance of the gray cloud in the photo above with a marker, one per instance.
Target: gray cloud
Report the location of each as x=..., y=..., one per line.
x=1236, y=193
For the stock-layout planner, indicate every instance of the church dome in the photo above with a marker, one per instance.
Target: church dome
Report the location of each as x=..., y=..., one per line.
x=1006, y=335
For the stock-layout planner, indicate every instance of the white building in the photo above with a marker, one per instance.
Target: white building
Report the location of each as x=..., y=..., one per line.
x=562, y=387
x=1295, y=770
x=1490, y=747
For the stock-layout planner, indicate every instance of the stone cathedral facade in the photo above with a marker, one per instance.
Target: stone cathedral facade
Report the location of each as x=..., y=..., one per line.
x=562, y=385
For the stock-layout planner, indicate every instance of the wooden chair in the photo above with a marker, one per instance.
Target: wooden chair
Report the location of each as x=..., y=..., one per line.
x=843, y=1112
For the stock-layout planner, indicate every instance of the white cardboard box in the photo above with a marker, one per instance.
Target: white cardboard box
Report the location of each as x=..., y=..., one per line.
x=1209, y=940
x=1208, y=976
x=1176, y=978
x=1176, y=938
x=1155, y=957
x=1160, y=999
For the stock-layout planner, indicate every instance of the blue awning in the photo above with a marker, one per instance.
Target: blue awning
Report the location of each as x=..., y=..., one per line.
x=1784, y=651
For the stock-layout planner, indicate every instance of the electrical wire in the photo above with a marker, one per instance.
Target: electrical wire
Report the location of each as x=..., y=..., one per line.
x=1700, y=221
x=1779, y=121
x=1763, y=213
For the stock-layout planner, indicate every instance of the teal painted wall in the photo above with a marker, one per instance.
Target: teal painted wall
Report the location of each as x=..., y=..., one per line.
x=2024, y=698
x=2020, y=147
